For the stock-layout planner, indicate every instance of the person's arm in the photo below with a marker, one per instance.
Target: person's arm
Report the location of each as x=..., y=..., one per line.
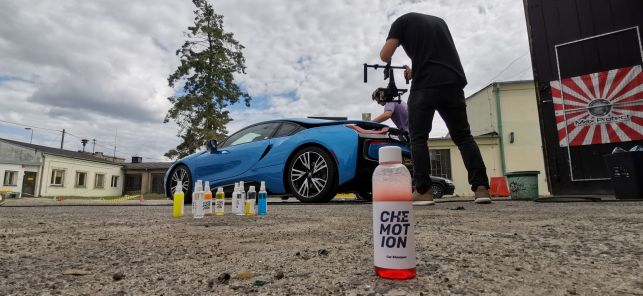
x=389, y=49
x=383, y=117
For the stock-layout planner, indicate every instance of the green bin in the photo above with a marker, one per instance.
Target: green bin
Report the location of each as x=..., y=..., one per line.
x=523, y=185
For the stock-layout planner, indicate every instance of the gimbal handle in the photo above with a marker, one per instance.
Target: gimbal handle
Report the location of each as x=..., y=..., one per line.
x=386, y=73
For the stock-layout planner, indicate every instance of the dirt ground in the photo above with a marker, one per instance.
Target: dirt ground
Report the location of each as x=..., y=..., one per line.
x=507, y=248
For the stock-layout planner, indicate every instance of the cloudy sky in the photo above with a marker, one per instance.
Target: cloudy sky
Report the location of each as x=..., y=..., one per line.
x=98, y=69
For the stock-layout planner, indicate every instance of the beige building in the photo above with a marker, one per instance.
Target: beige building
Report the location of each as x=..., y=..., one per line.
x=504, y=122
x=32, y=171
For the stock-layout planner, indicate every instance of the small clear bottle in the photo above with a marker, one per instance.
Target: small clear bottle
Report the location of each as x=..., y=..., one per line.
x=393, y=235
x=220, y=202
x=242, y=199
x=263, y=200
x=198, y=201
x=251, y=202
x=235, y=199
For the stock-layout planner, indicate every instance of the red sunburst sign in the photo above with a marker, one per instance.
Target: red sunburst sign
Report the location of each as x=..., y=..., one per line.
x=599, y=108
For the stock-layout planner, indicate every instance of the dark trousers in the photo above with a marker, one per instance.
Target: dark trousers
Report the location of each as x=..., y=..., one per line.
x=449, y=102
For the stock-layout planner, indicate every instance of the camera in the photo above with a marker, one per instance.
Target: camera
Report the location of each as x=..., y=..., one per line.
x=390, y=93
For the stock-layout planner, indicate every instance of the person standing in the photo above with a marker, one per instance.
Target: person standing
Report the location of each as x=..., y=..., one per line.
x=437, y=85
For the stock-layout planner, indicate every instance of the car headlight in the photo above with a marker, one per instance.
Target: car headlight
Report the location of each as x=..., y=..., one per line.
x=448, y=181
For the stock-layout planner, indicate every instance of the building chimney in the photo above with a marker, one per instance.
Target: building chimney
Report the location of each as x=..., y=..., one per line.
x=137, y=159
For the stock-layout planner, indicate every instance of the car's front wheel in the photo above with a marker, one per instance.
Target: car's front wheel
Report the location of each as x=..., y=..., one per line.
x=181, y=175
x=311, y=175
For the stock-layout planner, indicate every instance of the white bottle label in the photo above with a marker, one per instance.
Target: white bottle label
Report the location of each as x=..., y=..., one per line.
x=393, y=237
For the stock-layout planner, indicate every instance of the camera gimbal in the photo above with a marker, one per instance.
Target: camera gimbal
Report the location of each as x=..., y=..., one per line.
x=390, y=92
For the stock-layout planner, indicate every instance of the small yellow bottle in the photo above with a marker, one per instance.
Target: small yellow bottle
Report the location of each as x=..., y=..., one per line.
x=179, y=197
x=219, y=202
x=251, y=202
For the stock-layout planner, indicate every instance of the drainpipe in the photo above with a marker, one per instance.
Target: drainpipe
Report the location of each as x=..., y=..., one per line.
x=496, y=89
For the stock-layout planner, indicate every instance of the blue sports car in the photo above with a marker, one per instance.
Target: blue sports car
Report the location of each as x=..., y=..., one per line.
x=311, y=159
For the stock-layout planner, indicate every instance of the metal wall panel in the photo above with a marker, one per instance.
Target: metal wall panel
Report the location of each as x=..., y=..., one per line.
x=556, y=22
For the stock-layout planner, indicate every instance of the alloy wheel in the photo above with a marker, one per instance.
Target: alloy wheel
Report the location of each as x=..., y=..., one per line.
x=180, y=176
x=309, y=174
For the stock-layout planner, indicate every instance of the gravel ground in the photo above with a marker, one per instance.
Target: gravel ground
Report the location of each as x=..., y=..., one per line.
x=508, y=248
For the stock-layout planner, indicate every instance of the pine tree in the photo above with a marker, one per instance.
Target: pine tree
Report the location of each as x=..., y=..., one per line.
x=209, y=58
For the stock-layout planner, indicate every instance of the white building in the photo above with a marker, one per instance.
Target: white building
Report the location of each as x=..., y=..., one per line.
x=34, y=170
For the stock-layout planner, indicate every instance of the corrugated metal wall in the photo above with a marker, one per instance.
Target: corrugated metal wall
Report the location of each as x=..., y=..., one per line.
x=554, y=22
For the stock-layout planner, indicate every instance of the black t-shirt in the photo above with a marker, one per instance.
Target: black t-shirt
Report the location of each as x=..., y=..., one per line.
x=427, y=41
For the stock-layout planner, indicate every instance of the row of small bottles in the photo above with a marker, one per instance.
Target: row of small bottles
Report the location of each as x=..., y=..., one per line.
x=243, y=203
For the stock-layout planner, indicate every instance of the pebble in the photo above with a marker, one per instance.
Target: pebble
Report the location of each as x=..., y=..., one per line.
x=260, y=282
x=118, y=276
x=279, y=275
x=323, y=252
x=224, y=278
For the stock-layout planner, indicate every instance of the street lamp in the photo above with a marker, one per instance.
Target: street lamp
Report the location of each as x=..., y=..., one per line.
x=31, y=138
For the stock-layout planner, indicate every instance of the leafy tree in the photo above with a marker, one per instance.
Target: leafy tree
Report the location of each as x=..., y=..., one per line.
x=209, y=58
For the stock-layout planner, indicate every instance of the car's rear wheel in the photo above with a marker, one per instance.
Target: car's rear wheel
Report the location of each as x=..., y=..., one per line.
x=181, y=175
x=438, y=190
x=311, y=175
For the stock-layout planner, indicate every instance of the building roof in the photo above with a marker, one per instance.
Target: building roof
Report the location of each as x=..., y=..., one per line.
x=61, y=152
x=148, y=166
x=497, y=82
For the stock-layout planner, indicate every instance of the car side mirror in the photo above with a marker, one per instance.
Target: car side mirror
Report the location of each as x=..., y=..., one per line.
x=212, y=145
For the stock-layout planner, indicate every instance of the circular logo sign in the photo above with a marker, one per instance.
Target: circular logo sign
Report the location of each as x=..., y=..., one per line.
x=599, y=107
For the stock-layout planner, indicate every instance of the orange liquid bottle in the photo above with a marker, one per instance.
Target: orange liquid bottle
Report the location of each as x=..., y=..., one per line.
x=393, y=236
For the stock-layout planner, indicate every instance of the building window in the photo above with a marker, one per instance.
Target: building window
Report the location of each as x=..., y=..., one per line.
x=441, y=163
x=99, y=181
x=81, y=179
x=10, y=178
x=114, y=181
x=57, y=177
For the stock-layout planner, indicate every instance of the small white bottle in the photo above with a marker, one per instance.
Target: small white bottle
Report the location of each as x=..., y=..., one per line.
x=198, y=209
x=195, y=196
x=242, y=199
x=235, y=198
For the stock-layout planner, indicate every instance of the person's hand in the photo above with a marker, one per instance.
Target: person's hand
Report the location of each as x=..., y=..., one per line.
x=407, y=72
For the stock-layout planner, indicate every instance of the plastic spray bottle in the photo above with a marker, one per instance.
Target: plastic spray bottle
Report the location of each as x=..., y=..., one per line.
x=220, y=202
x=207, y=200
x=235, y=198
x=251, y=202
x=393, y=236
x=197, y=200
x=242, y=199
x=263, y=199
x=179, y=197
x=195, y=196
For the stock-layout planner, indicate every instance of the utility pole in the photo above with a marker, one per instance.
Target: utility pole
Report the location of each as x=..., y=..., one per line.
x=62, y=141
x=94, y=147
x=115, y=137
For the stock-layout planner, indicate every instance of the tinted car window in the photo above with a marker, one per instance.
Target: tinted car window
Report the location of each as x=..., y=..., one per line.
x=251, y=134
x=287, y=129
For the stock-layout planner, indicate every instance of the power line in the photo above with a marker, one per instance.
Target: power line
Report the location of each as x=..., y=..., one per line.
x=78, y=137
x=507, y=67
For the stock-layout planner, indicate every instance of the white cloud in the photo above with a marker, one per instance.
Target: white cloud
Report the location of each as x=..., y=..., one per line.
x=94, y=67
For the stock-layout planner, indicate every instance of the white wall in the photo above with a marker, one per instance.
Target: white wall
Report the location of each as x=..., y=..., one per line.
x=21, y=173
x=71, y=166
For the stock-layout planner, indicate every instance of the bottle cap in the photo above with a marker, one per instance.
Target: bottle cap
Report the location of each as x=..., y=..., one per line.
x=198, y=186
x=241, y=187
x=390, y=154
x=263, y=186
x=220, y=189
x=178, y=188
x=207, y=185
x=252, y=188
